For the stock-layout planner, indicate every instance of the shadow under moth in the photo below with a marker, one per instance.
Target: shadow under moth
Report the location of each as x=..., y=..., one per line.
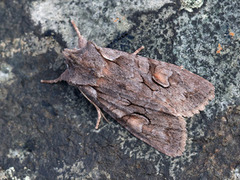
x=146, y=96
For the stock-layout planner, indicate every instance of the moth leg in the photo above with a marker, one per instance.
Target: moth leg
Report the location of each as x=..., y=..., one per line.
x=138, y=50
x=100, y=114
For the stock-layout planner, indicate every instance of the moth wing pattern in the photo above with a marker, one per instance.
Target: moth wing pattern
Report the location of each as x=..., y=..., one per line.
x=146, y=96
x=164, y=132
x=151, y=110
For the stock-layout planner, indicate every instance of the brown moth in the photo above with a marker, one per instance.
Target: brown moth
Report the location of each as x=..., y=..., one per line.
x=146, y=96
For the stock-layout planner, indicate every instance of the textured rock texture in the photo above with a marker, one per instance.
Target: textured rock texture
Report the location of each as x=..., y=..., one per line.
x=47, y=131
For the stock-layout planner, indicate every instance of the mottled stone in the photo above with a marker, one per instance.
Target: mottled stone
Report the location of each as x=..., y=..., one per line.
x=50, y=129
x=6, y=75
x=98, y=20
x=189, y=5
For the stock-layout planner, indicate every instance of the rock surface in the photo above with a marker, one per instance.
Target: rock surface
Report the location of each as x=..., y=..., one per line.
x=47, y=131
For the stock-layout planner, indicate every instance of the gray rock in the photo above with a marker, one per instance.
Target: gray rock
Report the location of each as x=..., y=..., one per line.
x=47, y=131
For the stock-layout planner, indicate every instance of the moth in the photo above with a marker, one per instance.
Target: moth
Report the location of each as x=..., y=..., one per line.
x=150, y=98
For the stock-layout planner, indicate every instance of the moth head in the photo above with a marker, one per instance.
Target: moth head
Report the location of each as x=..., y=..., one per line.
x=84, y=60
x=86, y=57
x=84, y=65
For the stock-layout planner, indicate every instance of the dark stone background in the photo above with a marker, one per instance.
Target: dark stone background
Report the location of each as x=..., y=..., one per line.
x=47, y=131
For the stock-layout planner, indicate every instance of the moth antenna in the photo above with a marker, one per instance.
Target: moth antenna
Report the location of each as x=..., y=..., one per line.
x=138, y=50
x=100, y=114
x=81, y=40
x=76, y=29
x=51, y=81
